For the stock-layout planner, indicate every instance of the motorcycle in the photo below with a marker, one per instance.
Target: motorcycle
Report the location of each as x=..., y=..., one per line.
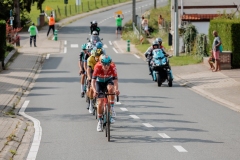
x=94, y=39
x=161, y=70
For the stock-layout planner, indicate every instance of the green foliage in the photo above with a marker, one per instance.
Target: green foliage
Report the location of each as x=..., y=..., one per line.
x=201, y=45
x=9, y=47
x=185, y=60
x=190, y=34
x=229, y=32
x=2, y=39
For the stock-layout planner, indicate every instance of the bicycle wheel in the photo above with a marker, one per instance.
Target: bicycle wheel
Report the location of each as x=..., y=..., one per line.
x=108, y=124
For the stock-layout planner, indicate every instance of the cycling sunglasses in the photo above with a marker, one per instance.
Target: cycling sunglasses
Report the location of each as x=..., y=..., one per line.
x=106, y=64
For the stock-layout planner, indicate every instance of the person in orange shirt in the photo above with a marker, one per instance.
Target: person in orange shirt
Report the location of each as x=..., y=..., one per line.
x=51, y=23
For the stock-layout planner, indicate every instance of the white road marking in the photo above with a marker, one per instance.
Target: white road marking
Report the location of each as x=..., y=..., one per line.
x=48, y=55
x=118, y=47
x=110, y=42
x=105, y=46
x=65, y=42
x=134, y=116
x=65, y=50
x=148, y=125
x=163, y=135
x=115, y=50
x=118, y=103
x=180, y=149
x=137, y=56
x=124, y=109
x=32, y=155
x=74, y=45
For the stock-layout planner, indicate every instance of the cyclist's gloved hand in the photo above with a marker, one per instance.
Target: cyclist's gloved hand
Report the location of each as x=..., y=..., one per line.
x=95, y=93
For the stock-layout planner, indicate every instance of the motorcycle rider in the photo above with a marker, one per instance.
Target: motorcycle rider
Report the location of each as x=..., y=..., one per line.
x=148, y=54
x=94, y=27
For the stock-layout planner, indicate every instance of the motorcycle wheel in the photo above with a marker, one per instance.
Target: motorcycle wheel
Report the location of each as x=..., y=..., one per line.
x=169, y=81
x=159, y=82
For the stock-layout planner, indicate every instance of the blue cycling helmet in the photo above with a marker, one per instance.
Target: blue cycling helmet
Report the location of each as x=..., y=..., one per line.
x=84, y=46
x=106, y=59
x=99, y=45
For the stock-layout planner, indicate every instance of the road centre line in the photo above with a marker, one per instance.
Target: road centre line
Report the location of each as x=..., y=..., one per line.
x=134, y=116
x=180, y=149
x=136, y=56
x=65, y=50
x=48, y=55
x=32, y=155
x=118, y=47
x=163, y=135
x=124, y=109
x=148, y=125
x=110, y=42
x=74, y=45
x=115, y=50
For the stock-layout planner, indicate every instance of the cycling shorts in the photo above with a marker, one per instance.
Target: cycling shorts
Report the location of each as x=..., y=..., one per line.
x=101, y=87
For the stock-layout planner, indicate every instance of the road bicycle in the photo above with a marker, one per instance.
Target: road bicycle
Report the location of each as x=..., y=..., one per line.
x=106, y=114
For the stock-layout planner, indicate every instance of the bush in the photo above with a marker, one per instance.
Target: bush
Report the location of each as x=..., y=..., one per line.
x=9, y=47
x=229, y=31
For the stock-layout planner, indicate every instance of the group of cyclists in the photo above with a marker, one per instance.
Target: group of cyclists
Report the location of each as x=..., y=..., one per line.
x=98, y=75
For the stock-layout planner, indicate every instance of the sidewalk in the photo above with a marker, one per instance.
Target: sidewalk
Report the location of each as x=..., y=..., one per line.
x=222, y=87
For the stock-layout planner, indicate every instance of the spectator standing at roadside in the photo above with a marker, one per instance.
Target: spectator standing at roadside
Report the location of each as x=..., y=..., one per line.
x=216, y=50
x=160, y=21
x=119, y=19
x=145, y=25
x=33, y=33
x=51, y=23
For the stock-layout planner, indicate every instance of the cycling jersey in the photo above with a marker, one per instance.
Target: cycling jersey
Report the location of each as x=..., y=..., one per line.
x=100, y=76
x=81, y=56
x=91, y=62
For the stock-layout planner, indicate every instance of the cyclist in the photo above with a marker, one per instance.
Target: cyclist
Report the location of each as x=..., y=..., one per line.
x=104, y=79
x=99, y=48
x=82, y=69
x=94, y=27
x=91, y=62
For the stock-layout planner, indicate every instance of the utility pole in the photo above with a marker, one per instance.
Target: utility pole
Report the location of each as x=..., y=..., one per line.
x=17, y=12
x=176, y=37
x=155, y=4
x=134, y=11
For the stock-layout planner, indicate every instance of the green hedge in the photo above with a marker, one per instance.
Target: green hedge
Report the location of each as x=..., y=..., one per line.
x=2, y=39
x=229, y=31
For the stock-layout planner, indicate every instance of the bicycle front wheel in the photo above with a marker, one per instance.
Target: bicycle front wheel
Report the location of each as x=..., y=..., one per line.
x=108, y=124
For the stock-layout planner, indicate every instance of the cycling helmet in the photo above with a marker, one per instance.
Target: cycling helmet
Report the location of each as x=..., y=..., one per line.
x=94, y=33
x=106, y=59
x=84, y=46
x=155, y=43
x=159, y=39
x=89, y=46
x=99, y=45
x=94, y=53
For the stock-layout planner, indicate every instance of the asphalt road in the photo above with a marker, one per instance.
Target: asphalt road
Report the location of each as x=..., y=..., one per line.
x=152, y=122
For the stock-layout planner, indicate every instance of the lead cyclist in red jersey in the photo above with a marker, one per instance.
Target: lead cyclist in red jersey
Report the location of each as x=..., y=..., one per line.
x=104, y=79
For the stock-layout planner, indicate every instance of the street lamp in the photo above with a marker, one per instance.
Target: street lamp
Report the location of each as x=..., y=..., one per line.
x=176, y=36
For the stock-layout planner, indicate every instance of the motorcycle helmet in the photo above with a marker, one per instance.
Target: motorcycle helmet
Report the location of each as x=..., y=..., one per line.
x=99, y=45
x=94, y=33
x=106, y=60
x=159, y=40
x=155, y=43
x=94, y=22
x=84, y=46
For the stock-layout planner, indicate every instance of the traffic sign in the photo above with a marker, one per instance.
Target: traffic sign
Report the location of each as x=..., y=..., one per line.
x=11, y=18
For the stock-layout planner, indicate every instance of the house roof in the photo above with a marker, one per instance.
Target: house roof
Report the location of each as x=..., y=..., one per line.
x=199, y=17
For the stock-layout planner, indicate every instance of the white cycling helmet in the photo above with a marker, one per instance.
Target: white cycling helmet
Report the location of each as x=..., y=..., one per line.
x=89, y=45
